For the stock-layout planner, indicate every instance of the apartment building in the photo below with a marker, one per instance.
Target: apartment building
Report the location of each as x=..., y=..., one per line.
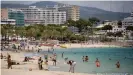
x=34, y=15
x=132, y=14
x=4, y=13
x=72, y=12
x=127, y=22
x=17, y=15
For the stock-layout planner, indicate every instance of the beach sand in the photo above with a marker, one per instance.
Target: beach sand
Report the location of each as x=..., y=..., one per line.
x=23, y=68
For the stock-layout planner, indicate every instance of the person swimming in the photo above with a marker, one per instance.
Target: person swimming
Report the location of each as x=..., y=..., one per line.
x=97, y=62
x=117, y=65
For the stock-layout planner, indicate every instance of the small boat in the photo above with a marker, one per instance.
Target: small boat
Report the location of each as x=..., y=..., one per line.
x=63, y=46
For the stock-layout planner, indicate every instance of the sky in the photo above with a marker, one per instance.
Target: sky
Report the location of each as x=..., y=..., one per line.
x=115, y=6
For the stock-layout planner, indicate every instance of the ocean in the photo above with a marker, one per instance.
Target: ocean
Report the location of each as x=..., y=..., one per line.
x=123, y=55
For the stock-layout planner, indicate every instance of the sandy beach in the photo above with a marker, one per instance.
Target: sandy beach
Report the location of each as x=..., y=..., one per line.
x=76, y=45
x=23, y=68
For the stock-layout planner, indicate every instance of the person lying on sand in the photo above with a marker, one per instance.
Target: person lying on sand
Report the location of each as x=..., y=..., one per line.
x=26, y=59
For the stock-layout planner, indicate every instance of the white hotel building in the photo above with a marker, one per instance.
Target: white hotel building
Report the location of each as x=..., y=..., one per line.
x=128, y=21
x=45, y=15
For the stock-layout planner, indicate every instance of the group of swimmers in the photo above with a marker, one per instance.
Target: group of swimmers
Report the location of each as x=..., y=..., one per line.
x=97, y=62
x=85, y=58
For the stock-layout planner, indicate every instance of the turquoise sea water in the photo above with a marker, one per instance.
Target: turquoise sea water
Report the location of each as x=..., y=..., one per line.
x=123, y=55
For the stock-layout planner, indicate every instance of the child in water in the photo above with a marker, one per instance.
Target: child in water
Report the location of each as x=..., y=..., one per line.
x=86, y=58
x=118, y=65
x=97, y=63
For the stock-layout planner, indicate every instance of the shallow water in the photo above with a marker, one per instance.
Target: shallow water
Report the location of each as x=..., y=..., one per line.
x=123, y=55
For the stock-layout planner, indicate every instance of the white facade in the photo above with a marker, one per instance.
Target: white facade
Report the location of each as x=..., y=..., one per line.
x=127, y=21
x=132, y=14
x=106, y=23
x=72, y=12
x=8, y=21
x=45, y=16
x=117, y=29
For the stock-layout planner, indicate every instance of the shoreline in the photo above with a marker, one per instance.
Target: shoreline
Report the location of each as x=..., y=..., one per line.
x=19, y=56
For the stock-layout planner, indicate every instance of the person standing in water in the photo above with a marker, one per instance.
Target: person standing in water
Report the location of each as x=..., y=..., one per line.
x=62, y=54
x=54, y=59
x=83, y=58
x=97, y=62
x=117, y=65
x=86, y=58
x=72, y=65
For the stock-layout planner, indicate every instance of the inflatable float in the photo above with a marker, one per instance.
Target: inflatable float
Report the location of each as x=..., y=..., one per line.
x=63, y=46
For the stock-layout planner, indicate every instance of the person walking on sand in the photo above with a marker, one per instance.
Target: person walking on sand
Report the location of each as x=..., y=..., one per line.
x=117, y=65
x=97, y=62
x=72, y=65
x=1, y=56
x=9, y=62
x=40, y=61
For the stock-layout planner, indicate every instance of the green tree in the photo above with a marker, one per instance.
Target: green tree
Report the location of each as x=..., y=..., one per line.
x=119, y=34
x=129, y=28
x=71, y=23
x=107, y=27
x=110, y=34
x=119, y=24
x=81, y=24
